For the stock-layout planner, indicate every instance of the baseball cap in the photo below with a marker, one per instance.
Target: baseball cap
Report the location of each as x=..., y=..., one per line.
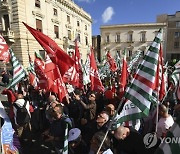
x=74, y=133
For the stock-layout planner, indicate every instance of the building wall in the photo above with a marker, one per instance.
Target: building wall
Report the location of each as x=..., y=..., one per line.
x=173, y=51
x=113, y=46
x=26, y=11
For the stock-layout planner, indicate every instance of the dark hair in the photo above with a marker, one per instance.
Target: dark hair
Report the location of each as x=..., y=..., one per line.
x=77, y=91
x=99, y=136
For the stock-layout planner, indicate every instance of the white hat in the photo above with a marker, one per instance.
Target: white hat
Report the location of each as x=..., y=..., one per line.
x=74, y=133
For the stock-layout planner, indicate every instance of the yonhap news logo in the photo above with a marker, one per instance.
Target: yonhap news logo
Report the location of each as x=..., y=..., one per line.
x=150, y=140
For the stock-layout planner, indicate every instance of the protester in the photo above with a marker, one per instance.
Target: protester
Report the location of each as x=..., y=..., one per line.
x=99, y=124
x=96, y=142
x=25, y=122
x=57, y=128
x=129, y=141
x=165, y=122
x=5, y=77
x=90, y=108
x=76, y=144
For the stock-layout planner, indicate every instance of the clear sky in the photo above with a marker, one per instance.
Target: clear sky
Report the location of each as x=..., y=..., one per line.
x=107, y=12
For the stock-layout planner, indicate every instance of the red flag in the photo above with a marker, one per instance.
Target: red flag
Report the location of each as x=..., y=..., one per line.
x=39, y=69
x=33, y=80
x=123, y=78
x=96, y=83
x=57, y=55
x=53, y=75
x=78, y=66
x=112, y=63
x=4, y=50
x=74, y=75
x=159, y=85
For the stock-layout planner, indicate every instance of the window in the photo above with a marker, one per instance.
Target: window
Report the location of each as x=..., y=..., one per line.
x=79, y=37
x=130, y=37
x=143, y=37
x=177, y=24
x=176, y=45
x=56, y=31
x=107, y=38
x=86, y=39
x=78, y=24
x=37, y=3
x=177, y=34
x=117, y=39
x=69, y=34
x=68, y=19
x=85, y=27
x=6, y=22
x=39, y=25
x=55, y=11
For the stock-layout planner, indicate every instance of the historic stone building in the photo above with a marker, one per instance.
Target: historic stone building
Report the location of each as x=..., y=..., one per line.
x=173, y=34
x=133, y=37
x=61, y=20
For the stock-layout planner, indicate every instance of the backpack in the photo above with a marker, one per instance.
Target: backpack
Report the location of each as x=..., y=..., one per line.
x=22, y=115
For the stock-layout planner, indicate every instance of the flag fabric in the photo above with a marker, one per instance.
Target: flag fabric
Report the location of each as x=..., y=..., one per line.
x=173, y=135
x=65, y=149
x=112, y=63
x=135, y=58
x=39, y=67
x=78, y=66
x=74, y=75
x=176, y=73
x=118, y=61
x=123, y=77
x=55, y=82
x=9, y=140
x=139, y=91
x=18, y=71
x=57, y=55
x=96, y=84
x=86, y=71
x=32, y=75
x=4, y=50
x=159, y=86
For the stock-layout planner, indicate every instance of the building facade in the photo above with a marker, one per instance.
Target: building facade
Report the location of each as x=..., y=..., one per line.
x=61, y=20
x=96, y=44
x=173, y=34
x=132, y=37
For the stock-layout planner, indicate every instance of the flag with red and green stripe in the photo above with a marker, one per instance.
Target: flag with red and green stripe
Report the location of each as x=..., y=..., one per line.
x=138, y=93
x=18, y=71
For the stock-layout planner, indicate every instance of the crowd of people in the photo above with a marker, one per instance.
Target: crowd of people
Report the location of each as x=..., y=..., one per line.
x=88, y=115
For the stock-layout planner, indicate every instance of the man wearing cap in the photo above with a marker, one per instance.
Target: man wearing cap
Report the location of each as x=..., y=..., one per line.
x=76, y=143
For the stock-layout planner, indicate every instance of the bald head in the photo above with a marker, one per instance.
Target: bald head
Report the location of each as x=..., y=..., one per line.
x=110, y=109
x=163, y=108
x=52, y=98
x=121, y=132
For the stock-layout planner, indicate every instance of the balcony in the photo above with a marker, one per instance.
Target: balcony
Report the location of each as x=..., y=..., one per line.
x=8, y=36
x=4, y=6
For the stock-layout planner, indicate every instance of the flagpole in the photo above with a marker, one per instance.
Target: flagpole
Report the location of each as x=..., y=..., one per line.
x=165, y=95
x=110, y=124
